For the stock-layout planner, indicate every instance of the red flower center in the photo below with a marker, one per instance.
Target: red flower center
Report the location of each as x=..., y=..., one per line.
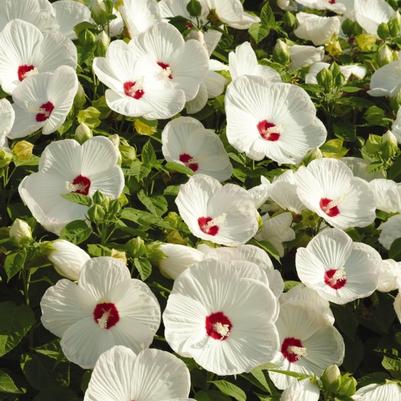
x=335, y=278
x=133, y=90
x=81, y=185
x=218, y=326
x=166, y=67
x=44, y=112
x=207, y=226
x=106, y=315
x=23, y=71
x=332, y=1
x=292, y=349
x=268, y=131
x=328, y=207
x=188, y=161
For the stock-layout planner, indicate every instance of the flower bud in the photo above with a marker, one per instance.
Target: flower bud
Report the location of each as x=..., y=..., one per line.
x=20, y=232
x=103, y=41
x=177, y=258
x=383, y=31
x=331, y=378
x=22, y=150
x=136, y=247
x=281, y=53
x=390, y=138
x=83, y=133
x=80, y=98
x=67, y=258
x=385, y=55
x=5, y=158
x=99, y=11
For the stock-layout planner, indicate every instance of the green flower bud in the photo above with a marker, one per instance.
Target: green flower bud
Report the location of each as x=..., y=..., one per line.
x=83, y=133
x=281, y=53
x=20, y=232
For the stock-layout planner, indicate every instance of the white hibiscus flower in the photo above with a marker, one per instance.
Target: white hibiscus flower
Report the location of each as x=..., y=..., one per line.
x=301, y=390
x=276, y=230
x=206, y=318
x=243, y=61
x=302, y=295
x=186, y=141
x=106, y=308
x=284, y=192
x=389, y=276
x=67, y=258
x=222, y=214
x=37, y=12
x=387, y=195
x=302, y=56
x=135, y=87
x=7, y=118
x=337, y=268
x=390, y=230
x=336, y=6
x=308, y=344
x=385, y=81
x=25, y=50
x=319, y=30
x=261, y=193
x=139, y=15
x=371, y=13
x=43, y=101
x=120, y=374
x=68, y=167
x=328, y=187
x=70, y=13
x=274, y=120
x=184, y=63
x=379, y=392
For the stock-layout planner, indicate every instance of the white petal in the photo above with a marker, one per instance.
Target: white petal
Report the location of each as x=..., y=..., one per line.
x=67, y=258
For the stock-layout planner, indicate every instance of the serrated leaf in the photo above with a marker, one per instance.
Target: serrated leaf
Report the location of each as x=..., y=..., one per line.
x=258, y=32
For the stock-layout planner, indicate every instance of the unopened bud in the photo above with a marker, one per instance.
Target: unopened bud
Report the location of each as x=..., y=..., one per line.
x=22, y=150
x=281, y=53
x=390, y=138
x=103, y=41
x=20, y=232
x=385, y=55
x=83, y=133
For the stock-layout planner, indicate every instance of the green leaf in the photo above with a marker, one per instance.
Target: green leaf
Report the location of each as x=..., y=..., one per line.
x=13, y=329
x=230, y=389
x=267, y=16
x=211, y=395
x=393, y=366
x=268, y=247
x=148, y=154
x=76, y=232
x=78, y=198
x=179, y=168
x=258, y=32
x=14, y=263
x=7, y=384
x=144, y=268
x=156, y=205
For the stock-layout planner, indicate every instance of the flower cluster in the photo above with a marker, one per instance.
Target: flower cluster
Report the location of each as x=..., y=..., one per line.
x=200, y=201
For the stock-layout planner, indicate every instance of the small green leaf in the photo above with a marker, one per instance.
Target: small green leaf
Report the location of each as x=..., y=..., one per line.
x=78, y=198
x=179, y=168
x=76, y=232
x=144, y=268
x=148, y=154
x=230, y=389
x=7, y=384
x=258, y=32
x=14, y=263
